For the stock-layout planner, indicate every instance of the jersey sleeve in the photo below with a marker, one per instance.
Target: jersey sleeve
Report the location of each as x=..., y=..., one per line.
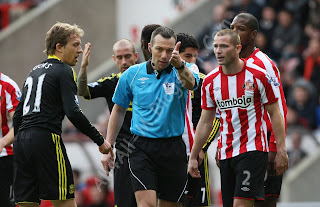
x=123, y=92
x=196, y=102
x=13, y=95
x=267, y=89
x=214, y=131
x=195, y=71
x=17, y=116
x=207, y=97
x=104, y=87
x=68, y=88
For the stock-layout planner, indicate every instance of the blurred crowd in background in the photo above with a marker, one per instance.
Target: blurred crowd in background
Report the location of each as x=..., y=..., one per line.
x=11, y=10
x=289, y=34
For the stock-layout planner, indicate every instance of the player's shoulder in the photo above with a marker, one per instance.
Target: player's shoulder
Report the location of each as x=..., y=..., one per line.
x=262, y=60
x=114, y=77
x=202, y=75
x=212, y=74
x=7, y=82
x=254, y=68
x=193, y=67
x=55, y=67
x=133, y=70
x=258, y=72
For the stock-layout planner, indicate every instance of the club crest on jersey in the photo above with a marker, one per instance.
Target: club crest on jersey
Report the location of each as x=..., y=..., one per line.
x=168, y=88
x=249, y=85
x=241, y=102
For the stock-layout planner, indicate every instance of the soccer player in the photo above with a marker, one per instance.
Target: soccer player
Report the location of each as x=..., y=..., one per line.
x=198, y=190
x=124, y=55
x=42, y=169
x=158, y=90
x=145, y=39
x=247, y=26
x=9, y=99
x=241, y=91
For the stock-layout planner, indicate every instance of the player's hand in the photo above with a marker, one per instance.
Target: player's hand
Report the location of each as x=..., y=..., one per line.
x=201, y=156
x=86, y=55
x=2, y=145
x=176, y=60
x=217, y=157
x=281, y=162
x=106, y=148
x=107, y=163
x=271, y=158
x=193, y=168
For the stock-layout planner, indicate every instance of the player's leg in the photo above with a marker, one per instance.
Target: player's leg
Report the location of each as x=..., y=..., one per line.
x=172, y=164
x=250, y=169
x=122, y=182
x=29, y=205
x=272, y=191
x=198, y=188
x=25, y=184
x=56, y=177
x=146, y=198
x=243, y=203
x=143, y=172
x=64, y=203
x=228, y=182
x=164, y=203
x=6, y=179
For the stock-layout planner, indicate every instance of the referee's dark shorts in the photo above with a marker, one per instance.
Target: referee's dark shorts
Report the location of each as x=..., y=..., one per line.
x=159, y=164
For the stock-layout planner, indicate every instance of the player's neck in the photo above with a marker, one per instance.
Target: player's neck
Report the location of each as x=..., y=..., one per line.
x=233, y=68
x=247, y=51
x=58, y=55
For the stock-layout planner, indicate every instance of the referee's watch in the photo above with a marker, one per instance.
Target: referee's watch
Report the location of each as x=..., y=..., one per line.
x=183, y=64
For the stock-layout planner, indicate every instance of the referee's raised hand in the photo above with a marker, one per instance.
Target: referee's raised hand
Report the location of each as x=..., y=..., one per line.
x=176, y=60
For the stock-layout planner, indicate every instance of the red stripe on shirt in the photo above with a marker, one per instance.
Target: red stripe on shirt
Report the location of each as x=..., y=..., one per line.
x=243, y=116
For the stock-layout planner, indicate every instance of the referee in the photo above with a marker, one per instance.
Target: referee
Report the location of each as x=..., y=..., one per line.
x=158, y=90
x=42, y=169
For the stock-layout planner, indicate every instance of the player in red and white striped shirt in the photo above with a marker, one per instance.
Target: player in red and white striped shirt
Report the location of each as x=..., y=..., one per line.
x=9, y=99
x=241, y=91
x=246, y=25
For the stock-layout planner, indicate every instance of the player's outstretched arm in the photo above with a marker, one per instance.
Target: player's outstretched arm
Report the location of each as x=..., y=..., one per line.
x=9, y=137
x=115, y=122
x=213, y=133
x=202, y=133
x=281, y=161
x=82, y=76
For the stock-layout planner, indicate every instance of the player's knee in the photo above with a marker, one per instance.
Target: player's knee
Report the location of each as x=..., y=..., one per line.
x=64, y=203
x=243, y=203
x=164, y=203
x=28, y=205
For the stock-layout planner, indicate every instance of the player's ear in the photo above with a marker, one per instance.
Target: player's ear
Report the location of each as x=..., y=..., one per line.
x=149, y=47
x=254, y=34
x=59, y=47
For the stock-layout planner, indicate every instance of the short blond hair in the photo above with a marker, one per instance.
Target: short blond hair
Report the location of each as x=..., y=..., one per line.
x=60, y=33
x=235, y=38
